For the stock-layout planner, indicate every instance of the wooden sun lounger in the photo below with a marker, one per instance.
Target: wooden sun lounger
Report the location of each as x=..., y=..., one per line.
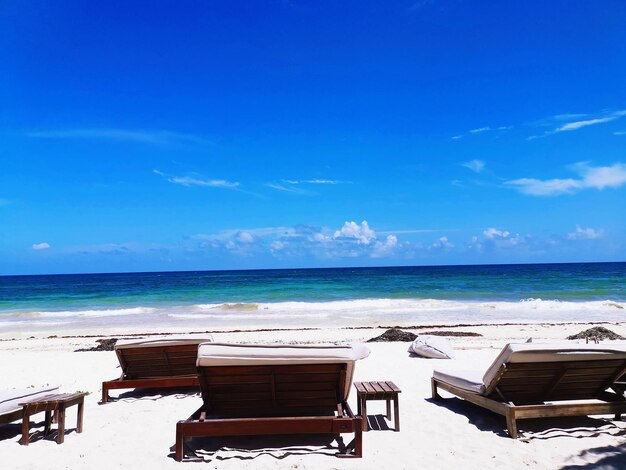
x=11, y=408
x=164, y=363
x=534, y=382
x=270, y=398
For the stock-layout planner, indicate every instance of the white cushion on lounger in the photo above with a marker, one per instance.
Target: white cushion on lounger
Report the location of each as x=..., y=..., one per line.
x=10, y=399
x=170, y=341
x=559, y=352
x=221, y=354
x=470, y=380
x=476, y=381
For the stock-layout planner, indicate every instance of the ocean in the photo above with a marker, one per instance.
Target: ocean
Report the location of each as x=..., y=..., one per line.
x=315, y=297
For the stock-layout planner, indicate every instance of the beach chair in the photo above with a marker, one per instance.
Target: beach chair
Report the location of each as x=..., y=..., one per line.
x=10, y=408
x=535, y=381
x=159, y=363
x=275, y=390
x=10, y=401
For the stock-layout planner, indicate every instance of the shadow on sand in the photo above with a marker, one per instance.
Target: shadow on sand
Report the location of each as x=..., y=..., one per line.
x=14, y=430
x=576, y=427
x=252, y=447
x=155, y=394
x=605, y=458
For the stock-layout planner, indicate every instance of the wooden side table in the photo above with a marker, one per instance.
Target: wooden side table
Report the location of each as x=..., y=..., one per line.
x=378, y=391
x=56, y=403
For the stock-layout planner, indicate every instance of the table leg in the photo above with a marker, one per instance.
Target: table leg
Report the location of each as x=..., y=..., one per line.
x=364, y=409
x=61, y=427
x=48, y=421
x=388, y=409
x=396, y=413
x=25, y=427
x=79, y=419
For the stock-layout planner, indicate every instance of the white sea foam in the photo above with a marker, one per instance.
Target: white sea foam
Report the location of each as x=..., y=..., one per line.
x=83, y=313
x=420, y=309
x=340, y=312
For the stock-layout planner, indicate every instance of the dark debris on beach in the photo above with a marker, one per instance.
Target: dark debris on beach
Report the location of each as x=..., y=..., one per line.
x=393, y=334
x=452, y=333
x=396, y=334
x=104, y=345
x=598, y=333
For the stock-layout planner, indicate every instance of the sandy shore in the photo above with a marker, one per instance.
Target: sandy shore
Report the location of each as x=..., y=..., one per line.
x=137, y=431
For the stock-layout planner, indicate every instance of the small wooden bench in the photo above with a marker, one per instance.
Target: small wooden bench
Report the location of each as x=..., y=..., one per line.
x=378, y=391
x=56, y=403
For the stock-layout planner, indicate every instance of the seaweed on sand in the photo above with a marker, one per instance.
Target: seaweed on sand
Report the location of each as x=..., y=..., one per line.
x=598, y=333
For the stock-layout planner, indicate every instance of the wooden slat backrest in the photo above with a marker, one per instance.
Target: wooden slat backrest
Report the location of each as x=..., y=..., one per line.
x=536, y=382
x=275, y=389
x=161, y=361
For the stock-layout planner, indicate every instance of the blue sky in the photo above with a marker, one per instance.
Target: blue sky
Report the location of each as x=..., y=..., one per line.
x=139, y=136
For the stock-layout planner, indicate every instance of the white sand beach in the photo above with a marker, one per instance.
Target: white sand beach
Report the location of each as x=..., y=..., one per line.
x=138, y=430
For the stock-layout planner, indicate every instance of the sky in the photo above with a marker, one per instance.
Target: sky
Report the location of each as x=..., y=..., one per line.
x=201, y=135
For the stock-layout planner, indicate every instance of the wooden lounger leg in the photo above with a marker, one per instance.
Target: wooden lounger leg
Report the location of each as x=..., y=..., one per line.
x=364, y=415
x=25, y=427
x=355, y=448
x=435, y=392
x=61, y=425
x=105, y=393
x=511, y=423
x=396, y=413
x=358, y=439
x=79, y=417
x=180, y=441
x=47, y=423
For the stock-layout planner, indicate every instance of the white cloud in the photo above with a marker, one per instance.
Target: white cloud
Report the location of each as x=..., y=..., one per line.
x=576, y=122
x=492, y=233
x=572, y=126
x=301, y=241
x=553, y=187
x=362, y=233
x=287, y=189
x=569, y=116
x=277, y=245
x=585, y=234
x=442, y=244
x=245, y=237
x=384, y=248
x=494, y=238
x=475, y=165
x=320, y=237
x=41, y=246
x=599, y=178
x=480, y=129
x=312, y=181
x=189, y=181
x=602, y=177
x=619, y=133
x=126, y=135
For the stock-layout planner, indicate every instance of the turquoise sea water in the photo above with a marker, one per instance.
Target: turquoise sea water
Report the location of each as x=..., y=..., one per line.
x=307, y=296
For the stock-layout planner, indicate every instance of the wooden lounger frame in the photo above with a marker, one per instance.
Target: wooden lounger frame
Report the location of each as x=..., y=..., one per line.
x=521, y=390
x=155, y=367
x=272, y=400
x=11, y=417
